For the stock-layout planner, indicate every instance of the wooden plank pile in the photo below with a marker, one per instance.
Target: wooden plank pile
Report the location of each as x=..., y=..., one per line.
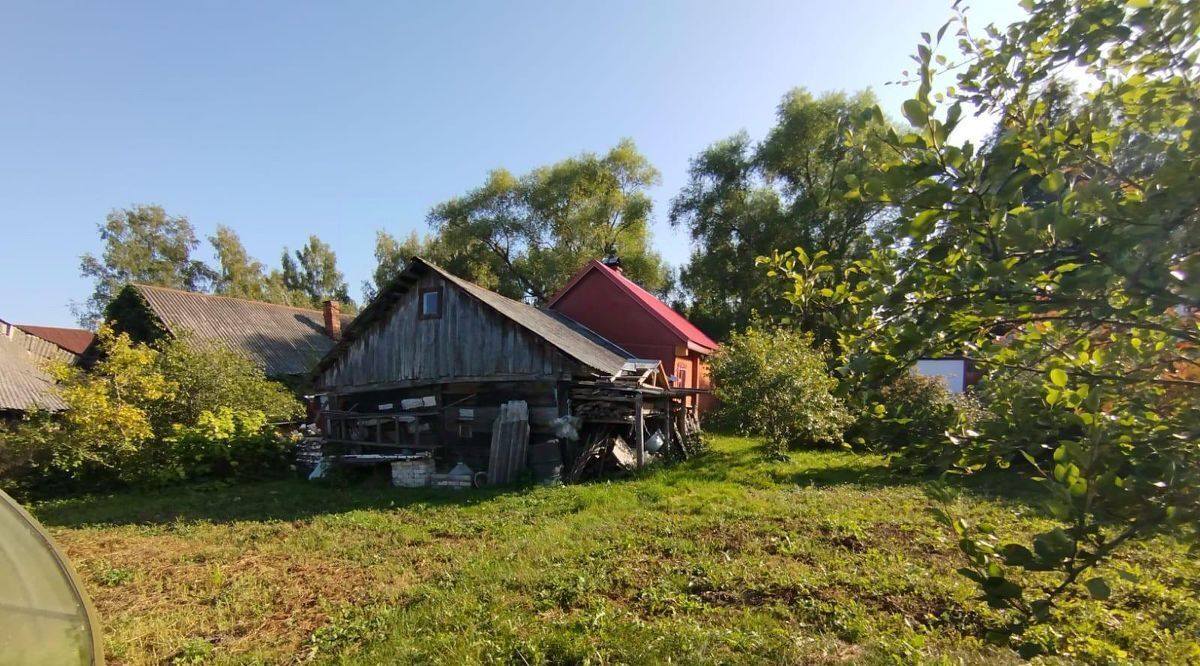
x=510, y=443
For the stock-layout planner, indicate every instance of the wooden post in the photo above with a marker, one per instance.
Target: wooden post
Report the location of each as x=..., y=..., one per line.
x=562, y=394
x=667, y=425
x=639, y=429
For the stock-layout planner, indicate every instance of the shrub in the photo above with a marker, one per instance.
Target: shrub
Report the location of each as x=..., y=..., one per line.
x=109, y=410
x=228, y=443
x=1019, y=421
x=209, y=376
x=913, y=420
x=774, y=384
x=146, y=416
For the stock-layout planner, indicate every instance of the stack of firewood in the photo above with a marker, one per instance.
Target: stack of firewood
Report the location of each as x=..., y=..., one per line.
x=602, y=409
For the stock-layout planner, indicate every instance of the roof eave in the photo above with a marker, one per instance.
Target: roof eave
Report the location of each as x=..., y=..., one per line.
x=699, y=348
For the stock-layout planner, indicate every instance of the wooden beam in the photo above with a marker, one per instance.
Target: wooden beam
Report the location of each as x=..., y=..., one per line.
x=667, y=427
x=639, y=430
x=442, y=381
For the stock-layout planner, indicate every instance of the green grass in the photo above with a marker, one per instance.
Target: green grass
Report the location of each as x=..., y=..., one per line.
x=828, y=558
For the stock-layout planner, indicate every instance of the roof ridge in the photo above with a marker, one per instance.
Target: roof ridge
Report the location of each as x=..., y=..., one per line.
x=143, y=285
x=56, y=328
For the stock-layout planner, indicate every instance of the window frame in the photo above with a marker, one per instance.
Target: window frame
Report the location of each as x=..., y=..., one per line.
x=441, y=302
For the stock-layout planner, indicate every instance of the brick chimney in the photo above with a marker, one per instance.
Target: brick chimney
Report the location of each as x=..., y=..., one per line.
x=333, y=319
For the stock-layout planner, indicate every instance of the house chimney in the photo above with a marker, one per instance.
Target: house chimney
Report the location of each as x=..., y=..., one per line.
x=333, y=319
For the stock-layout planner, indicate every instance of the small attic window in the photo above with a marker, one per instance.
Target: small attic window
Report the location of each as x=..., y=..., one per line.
x=430, y=305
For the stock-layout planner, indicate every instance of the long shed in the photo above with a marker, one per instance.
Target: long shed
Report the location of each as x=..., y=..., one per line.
x=285, y=341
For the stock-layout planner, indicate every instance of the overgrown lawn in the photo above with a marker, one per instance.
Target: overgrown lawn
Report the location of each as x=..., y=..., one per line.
x=828, y=558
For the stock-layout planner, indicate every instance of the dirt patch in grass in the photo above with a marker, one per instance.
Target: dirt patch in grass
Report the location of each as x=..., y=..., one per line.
x=174, y=590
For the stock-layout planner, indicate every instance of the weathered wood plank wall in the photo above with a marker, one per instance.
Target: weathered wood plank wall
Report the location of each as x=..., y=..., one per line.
x=468, y=340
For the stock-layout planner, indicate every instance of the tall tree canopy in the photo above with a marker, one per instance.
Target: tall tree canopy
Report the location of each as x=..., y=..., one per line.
x=303, y=279
x=1064, y=258
x=145, y=244
x=238, y=274
x=392, y=256
x=746, y=199
x=141, y=244
x=313, y=273
x=526, y=236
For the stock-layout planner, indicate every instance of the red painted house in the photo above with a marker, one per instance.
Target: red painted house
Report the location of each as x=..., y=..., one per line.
x=603, y=299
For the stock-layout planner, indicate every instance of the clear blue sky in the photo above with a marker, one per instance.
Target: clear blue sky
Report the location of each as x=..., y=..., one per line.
x=282, y=119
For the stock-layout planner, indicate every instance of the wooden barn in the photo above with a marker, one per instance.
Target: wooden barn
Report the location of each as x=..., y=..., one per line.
x=602, y=298
x=436, y=363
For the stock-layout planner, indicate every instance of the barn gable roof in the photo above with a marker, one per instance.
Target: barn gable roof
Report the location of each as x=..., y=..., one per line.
x=672, y=320
x=285, y=340
x=602, y=357
x=24, y=385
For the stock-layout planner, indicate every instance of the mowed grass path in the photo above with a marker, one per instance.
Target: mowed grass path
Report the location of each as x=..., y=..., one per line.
x=829, y=558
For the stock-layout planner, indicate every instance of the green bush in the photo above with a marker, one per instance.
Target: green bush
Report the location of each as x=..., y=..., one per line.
x=228, y=443
x=209, y=376
x=145, y=416
x=775, y=384
x=914, y=419
x=1019, y=421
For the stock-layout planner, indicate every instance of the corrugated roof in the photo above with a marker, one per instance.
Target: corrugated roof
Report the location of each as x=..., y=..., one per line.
x=74, y=340
x=283, y=339
x=589, y=334
x=24, y=385
x=678, y=324
x=568, y=340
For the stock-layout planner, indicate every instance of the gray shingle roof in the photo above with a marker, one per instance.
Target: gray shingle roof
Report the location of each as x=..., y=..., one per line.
x=566, y=338
x=283, y=339
x=24, y=385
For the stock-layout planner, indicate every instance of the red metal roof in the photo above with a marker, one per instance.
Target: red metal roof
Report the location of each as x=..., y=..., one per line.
x=674, y=321
x=74, y=340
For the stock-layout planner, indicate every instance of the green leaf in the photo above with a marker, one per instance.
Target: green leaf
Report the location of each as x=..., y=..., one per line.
x=1098, y=588
x=1058, y=377
x=1052, y=182
x=1051, y=547
x=802, y=256
x=914, y=111
x=1002, y=588
x=1016, y=555
x=923, y=223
